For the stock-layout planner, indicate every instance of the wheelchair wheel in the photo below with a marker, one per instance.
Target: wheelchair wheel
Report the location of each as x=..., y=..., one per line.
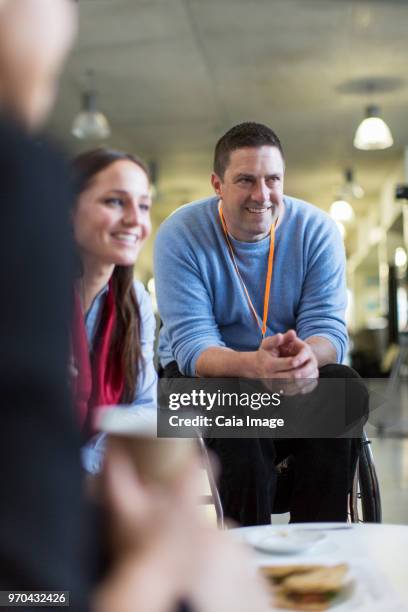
x=365, y=502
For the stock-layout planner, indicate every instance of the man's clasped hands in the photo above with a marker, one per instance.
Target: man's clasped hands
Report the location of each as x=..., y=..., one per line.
x=290, y=360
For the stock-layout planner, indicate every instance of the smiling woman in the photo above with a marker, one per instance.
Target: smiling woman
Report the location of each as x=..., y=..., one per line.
x=113, y=330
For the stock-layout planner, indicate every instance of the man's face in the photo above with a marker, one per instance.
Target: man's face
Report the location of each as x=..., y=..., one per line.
x=251, y=191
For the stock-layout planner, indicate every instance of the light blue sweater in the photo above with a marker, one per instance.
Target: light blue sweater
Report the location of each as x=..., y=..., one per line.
x=201, y=300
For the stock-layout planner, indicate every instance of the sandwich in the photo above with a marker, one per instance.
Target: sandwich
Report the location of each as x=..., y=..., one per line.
x=306, y=587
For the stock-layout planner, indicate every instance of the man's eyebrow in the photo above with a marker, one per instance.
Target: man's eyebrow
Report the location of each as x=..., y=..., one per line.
x=243, y=175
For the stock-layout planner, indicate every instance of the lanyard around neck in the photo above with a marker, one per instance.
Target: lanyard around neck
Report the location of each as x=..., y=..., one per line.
x=268, y=279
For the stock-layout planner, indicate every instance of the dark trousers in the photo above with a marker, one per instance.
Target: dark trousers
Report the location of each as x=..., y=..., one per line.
x=323, y=468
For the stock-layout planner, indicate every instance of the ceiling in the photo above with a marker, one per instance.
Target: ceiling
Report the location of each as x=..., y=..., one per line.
x=173, y=75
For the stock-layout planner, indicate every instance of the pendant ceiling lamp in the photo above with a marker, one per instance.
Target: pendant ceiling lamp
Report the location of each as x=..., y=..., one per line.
x=90, y=123
x=373, y=133
x=341, y=211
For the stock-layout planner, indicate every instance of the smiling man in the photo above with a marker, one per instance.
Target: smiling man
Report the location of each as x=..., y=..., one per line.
x=251, y=189
x=251, y=283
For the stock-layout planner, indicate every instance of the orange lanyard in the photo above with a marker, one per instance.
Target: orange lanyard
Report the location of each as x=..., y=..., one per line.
x=268, y=273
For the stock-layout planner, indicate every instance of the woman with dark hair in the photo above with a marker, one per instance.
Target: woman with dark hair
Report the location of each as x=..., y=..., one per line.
x=113, y=330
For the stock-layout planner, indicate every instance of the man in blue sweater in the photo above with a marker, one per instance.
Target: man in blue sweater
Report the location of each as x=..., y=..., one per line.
x=251, y=283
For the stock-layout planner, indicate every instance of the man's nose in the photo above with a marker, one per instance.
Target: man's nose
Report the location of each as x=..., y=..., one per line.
x=261, y=192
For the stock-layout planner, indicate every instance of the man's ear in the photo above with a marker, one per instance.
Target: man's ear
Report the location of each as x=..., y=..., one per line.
x=216, y=182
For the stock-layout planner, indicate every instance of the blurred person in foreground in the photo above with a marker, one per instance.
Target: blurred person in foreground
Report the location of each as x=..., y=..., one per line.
x=40, y=482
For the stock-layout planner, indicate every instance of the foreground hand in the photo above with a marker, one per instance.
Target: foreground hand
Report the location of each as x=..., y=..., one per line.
x=169, y=555
x=150, y=534
x=226, y=579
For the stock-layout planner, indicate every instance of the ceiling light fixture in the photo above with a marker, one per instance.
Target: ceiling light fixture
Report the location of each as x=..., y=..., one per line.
x=400, y=257
x=341, y=211
x=373, y=133
x=90, y=123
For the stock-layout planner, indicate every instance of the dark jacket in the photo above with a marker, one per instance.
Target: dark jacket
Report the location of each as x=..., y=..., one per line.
x=41, y=514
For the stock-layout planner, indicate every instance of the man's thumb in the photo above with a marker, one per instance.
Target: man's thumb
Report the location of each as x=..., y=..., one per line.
x=272, y=342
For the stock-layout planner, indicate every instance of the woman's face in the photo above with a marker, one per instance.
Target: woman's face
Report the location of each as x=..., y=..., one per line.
x=112, y=217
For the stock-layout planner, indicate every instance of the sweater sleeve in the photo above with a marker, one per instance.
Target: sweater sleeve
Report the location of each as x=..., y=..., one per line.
x=184, y=301
x=321, y=311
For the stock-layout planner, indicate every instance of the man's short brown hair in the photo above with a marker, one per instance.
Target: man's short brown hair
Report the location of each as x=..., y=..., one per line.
x=248, y=134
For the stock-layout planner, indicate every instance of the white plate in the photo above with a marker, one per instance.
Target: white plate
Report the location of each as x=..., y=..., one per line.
x=284, y=541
